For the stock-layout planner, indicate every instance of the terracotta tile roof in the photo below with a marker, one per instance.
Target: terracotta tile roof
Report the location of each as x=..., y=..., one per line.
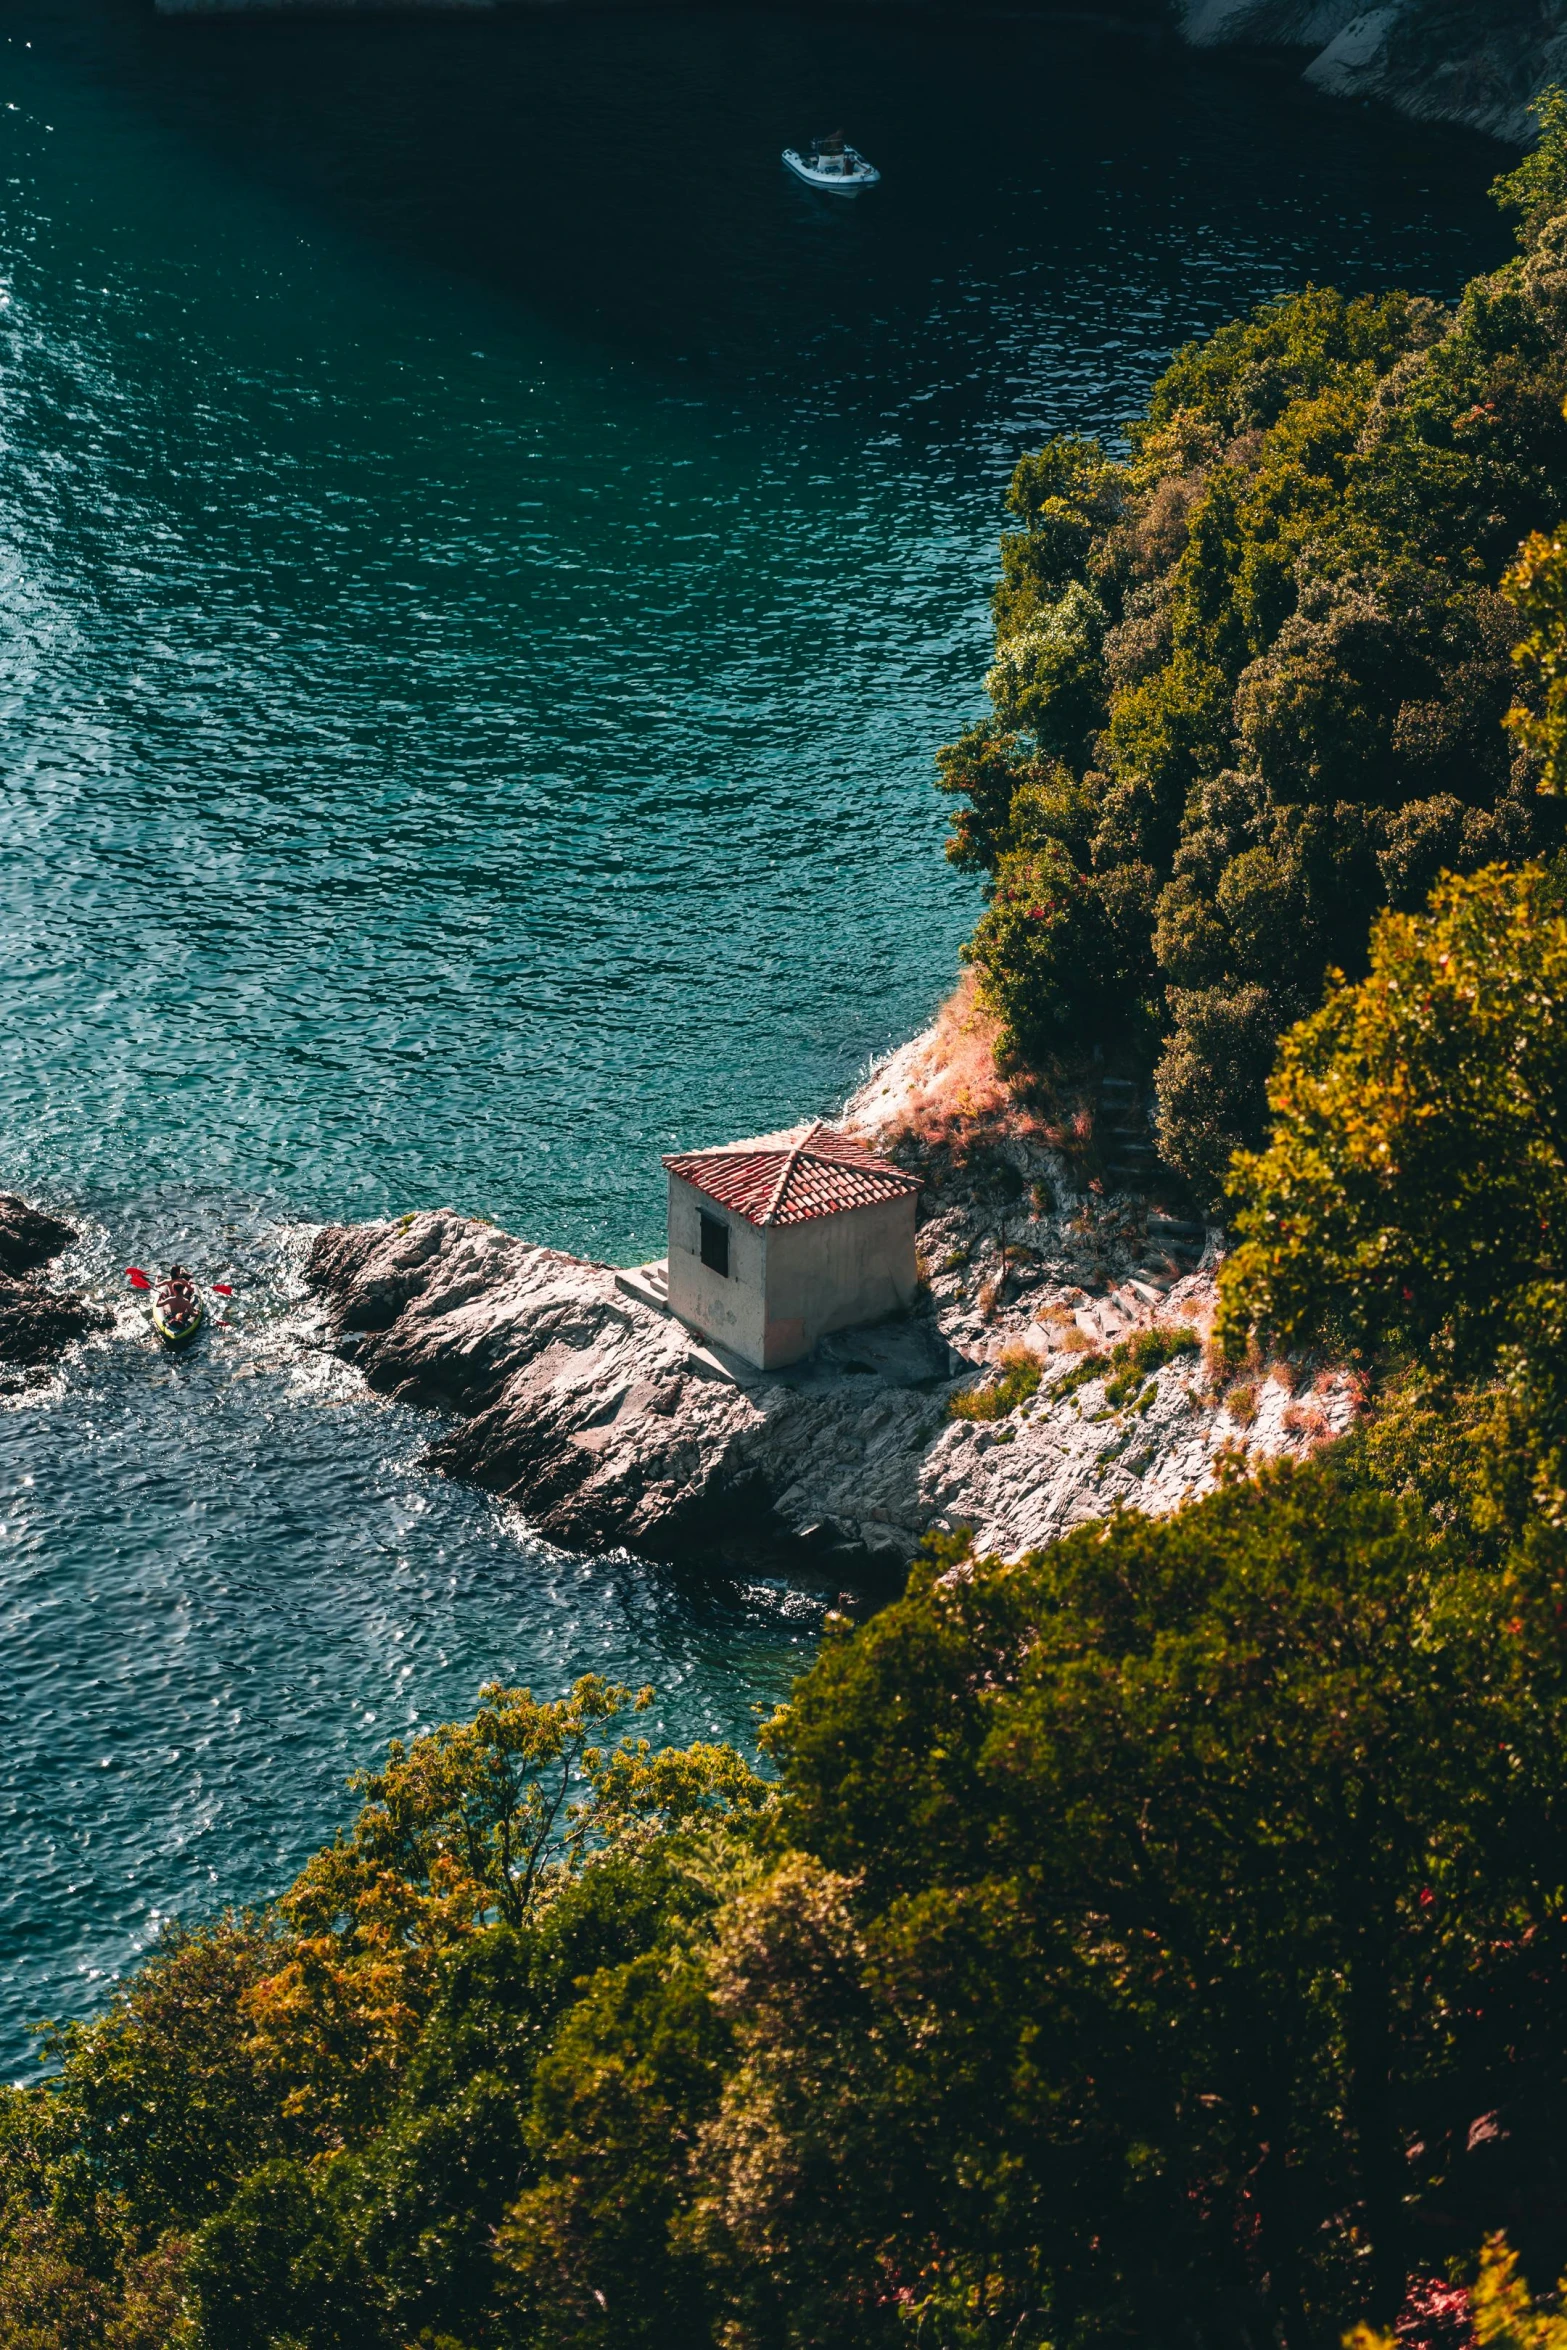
x=789, y=1178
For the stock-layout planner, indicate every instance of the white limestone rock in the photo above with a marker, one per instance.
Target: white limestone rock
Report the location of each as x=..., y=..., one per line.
x=1363, y=43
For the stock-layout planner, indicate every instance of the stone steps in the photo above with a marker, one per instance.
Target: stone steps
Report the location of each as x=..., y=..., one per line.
x=648, y=1284
x=1131, y=1157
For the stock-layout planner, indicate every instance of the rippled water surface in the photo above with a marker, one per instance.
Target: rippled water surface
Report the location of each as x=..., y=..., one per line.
x=485, y=561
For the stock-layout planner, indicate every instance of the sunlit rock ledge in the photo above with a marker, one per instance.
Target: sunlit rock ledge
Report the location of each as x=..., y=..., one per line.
x=569, y=1390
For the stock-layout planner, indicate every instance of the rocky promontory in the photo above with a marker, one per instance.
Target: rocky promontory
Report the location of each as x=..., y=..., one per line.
x=1052, y=1370
x=37, y=1323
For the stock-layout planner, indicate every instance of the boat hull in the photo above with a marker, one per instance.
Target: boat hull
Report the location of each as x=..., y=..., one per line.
x=178, y=1334
x=865, y=175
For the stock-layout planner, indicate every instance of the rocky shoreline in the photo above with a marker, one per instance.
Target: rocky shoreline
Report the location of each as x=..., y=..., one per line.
x=573, y=1392
x=37, y=1323
x=1052, y=1369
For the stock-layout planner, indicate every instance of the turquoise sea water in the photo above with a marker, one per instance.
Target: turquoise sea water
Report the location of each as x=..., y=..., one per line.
x=485, y=562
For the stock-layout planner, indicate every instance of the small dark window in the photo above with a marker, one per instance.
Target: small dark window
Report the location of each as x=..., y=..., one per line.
x=715, y=1245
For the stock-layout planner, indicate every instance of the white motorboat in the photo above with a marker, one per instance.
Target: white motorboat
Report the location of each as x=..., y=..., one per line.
x=831, y=166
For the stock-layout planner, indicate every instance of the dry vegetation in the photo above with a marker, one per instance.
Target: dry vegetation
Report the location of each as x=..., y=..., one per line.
x=952, y=1093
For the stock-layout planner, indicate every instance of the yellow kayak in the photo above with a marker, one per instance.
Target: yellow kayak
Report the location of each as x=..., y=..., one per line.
x=177, y=1315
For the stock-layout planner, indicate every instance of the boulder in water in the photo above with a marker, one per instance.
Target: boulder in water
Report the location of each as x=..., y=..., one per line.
x=37, y=1323
x=29, y=1237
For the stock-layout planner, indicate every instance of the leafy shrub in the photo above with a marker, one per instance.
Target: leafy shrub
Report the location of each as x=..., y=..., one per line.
x=1241, y=1402
x=1041, y=951
x=1497, y=2312
x=1413, y=1184
x=1142, y=1355
x=1537, y=188
x=1412, y=1200
x=1020, y=1377
x=1092, y=1365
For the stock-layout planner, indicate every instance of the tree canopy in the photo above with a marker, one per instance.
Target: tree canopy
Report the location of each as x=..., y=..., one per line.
x=1413, y=1198
x=1250, y=682
x=1133, y=1945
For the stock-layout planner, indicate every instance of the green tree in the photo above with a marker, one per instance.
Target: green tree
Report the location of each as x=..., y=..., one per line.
x=1537, y=584
x=1414, y=1195
x=594, y=2251
x=475, y=1821
x=1141, y=1932
x=1044, y=953
x=273, y=2270
x=1536, y=189
x=1192, y=1862
x=1250, y=686
x=166, y=2099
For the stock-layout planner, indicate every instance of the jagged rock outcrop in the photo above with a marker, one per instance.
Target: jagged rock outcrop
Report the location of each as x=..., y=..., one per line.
x=573, y=1393
x=29, y=1237
x=1439, y=60
x=37, y=1323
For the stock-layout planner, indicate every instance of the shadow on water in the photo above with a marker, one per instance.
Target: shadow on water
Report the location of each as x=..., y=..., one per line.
x=617, y=170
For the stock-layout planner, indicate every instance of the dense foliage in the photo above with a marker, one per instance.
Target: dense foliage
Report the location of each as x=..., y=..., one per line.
x=1250, y=684
x=1134, y=1947
x=1162, y=1939
x=1415, y=1190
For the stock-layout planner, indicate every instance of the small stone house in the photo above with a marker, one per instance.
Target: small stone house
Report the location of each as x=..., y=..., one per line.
x=773, y=1243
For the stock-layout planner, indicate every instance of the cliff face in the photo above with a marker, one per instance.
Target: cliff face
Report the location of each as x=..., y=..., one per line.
x=1474, y=62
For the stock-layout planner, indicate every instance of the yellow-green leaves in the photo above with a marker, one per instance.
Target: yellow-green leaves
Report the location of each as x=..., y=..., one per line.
x=1536, y=189
x=473, y=1823
x=1503, y=2311
x=1415, y=1187
x=1506, y=2316
x=1537, y=584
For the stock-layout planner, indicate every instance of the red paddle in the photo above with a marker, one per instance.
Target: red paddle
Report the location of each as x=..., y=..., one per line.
x=140, y=1280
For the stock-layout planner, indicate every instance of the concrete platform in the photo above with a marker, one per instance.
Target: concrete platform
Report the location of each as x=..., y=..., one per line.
x=648, y=1284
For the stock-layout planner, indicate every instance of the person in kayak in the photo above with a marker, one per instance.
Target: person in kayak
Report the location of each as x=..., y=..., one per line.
x=177, y=1295
x=177, y=1310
